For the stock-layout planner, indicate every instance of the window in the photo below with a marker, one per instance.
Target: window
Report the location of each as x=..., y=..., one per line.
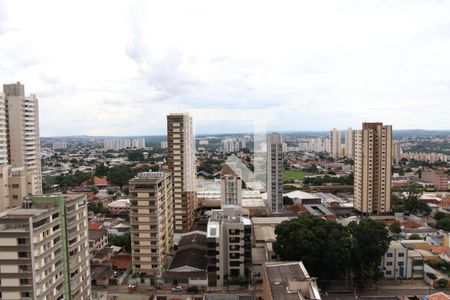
x=389, y=254
x=22, y=254
x=400, y=263
x=21, y=241
x=388, y=272
x=23, y=281
x=389, y=263
x=401, y=254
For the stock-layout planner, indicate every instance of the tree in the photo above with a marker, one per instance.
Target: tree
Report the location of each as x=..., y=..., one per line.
x=370, y=243
x=101, y=170
x=440, y=215
x=415, y=236
x=443, y=223
x=123, y=241
x=442, y=283
x=395, y=227
x=287, y=200
x=120, y=175
x=324, y=246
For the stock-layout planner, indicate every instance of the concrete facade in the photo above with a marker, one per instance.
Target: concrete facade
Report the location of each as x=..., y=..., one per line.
x=181, y=162
x=373, y=164
x=151, y=219
x=274, y=173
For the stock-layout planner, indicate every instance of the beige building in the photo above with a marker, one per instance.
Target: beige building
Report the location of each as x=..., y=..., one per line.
x=274, y=173
x=349, y=143
x=437, y=177
x=75, y=240
x=23, y=128
x=373, y=164
x=181, y=162
x=31, y=255
x=20, y=162
x=396, y=152
x=151, y=219
x=45, y=253
x=335, y=143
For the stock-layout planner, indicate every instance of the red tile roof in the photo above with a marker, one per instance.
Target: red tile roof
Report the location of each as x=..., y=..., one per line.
x=99, y=180
x=121, y=261
x=94, y=226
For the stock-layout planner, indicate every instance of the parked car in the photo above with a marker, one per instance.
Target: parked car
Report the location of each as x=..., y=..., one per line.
x=177, y=289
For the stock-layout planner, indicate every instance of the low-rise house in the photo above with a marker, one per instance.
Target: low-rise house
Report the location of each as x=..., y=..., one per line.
x=119, y=207
x=98, y=240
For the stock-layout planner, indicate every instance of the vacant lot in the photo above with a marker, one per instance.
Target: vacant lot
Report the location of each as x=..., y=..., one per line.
x=291, y=175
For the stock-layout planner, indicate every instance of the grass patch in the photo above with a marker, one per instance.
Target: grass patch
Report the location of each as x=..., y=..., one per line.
x=291, y=175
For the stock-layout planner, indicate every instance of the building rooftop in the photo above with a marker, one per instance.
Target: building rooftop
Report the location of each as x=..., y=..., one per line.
x=190, y=259
x=290, y=281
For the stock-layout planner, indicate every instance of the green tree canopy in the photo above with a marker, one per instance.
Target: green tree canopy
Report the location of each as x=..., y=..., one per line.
x=443, y=223
x=370, y=243
x=395, y=227
x=120, y=175
x=415, y=236
x=324, y=246
x=440, y=215
x=101, y=170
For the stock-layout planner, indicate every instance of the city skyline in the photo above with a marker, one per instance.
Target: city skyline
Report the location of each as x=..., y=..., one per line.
x=313, y=66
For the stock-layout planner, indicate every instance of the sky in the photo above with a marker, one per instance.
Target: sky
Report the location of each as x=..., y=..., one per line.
x=119, y=67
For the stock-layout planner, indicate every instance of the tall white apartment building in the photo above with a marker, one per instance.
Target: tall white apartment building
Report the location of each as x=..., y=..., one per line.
x=275, y=173
x=59, y=145
x=4, y=166
x=181, y=162
x=20, y=162
x=151, y=218
x=397, y=152
x=138, y=143
x=373, y=164
x=23, y=126
x=335, y=143
x=349, y=143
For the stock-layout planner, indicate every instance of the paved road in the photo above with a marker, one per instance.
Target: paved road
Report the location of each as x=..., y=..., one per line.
x=378, y=294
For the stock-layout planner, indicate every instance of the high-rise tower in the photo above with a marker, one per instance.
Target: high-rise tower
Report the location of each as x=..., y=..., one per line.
x=373, y=163
x=275, y=173
x=181, y=161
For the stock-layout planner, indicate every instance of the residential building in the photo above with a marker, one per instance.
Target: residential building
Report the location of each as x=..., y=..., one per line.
x=373, y=164
x=397, y=152
x=72, y=209
x=230, y=187
x=288, y=280
x=228, y=235
x=119, y=207
x=274, y=173
x=402, y=262
x=437, y=177
x=181, y=162
x=349, y=143
x=229, y=245
x=20, y=162
x=151, y=219
x=335, y=143
x=118, y=144
x=31, y=258
x=98, y=240
x=59, y=145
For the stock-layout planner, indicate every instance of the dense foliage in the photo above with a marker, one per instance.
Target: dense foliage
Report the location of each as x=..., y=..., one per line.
x=123, y=241
x=395, y=227
x=120, y=175
x=330, y=250
x=410, y=202
x=319, y=180
x=324, y=246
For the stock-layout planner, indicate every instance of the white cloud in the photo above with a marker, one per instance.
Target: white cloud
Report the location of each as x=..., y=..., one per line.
x=106, y=67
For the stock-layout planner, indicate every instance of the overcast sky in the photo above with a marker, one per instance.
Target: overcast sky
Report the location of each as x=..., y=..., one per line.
x=118, y=67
